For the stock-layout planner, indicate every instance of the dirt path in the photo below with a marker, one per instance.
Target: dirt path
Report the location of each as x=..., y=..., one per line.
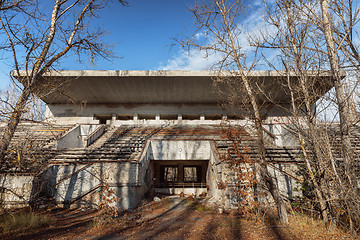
x=181, y=219
x=176, y=221
x=178, y=218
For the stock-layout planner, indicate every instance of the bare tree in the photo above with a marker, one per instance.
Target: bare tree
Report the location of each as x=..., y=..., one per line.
x=303, y=46
x=341, y=97
x=12, y=4
x=219, y=21
x=292, y=39
x=34, y=109
x=347, y=13
x=38, y=41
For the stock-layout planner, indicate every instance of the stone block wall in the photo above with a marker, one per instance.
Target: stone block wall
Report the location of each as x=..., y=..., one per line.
x=286, y=176
x=15, y=190
x=87, y=184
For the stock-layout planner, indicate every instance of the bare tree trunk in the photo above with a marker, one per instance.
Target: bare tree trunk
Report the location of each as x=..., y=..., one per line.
x=317, y=189
x=264, y=173
x=347, y=150
x=308, y=111
x=218, y=19
x=12, y=124
x=39, y=56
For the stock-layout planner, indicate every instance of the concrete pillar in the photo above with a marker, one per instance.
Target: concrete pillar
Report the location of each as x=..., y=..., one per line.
x=157, y=117
x=135, y=117
x=202, y=117
x=179, y=117
x=113, y=119
x=180, y=172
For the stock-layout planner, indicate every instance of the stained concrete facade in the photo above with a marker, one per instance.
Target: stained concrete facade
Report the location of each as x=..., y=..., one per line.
x=89, y=183
x=16, y=190
x=152, y=121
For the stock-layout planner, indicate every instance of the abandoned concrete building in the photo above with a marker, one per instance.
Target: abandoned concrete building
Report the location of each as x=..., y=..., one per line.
x=139, y=133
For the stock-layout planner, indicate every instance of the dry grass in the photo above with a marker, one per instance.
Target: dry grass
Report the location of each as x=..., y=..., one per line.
x=306, y=227
x=167, y=219
x=195, y=221
x=23, y=220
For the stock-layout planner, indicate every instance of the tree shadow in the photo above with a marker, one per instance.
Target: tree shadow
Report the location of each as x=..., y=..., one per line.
x=147, y=222
x=68, y=221
x=277, y=230
x=236, y=227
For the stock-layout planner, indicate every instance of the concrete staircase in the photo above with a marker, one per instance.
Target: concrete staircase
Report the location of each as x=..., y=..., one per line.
x=335, y=141
x=32, y=145
x=117, y=144
x=101, y=140
x=125, y=143
x=37, y=133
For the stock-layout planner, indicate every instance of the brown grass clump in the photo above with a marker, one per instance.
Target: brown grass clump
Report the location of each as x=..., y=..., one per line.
x=306, y=227
x=23, y=220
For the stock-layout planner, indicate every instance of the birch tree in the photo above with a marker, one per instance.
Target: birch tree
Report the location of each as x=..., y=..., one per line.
x=304, y=48
x=292, y=38
x=341, y=97
x=218, y=20
x=38, y=40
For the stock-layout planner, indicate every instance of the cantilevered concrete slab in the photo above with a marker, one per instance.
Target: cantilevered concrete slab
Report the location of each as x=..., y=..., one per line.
x=165, y=87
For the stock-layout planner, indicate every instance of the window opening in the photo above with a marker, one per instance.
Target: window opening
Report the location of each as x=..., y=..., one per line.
x=192, y=174
x=124, y=117
x=102, y=118
x=213, y=116
x=169, y=174
x=146, y=116
x=234, y=117
x=191, y=116
x=168, y=116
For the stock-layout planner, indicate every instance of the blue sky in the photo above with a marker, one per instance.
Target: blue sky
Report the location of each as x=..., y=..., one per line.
x=142, y=34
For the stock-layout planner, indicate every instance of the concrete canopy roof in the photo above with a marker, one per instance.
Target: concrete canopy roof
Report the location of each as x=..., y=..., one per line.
x=153, y=87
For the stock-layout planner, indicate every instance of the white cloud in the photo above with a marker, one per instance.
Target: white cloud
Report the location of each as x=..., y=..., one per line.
x=192, y=60
x=252, y=25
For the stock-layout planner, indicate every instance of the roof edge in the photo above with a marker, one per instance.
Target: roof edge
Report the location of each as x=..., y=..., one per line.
x=169, y=73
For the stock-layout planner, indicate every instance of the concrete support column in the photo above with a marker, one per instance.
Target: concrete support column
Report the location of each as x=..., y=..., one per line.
x=180, y=172
x=113, y=120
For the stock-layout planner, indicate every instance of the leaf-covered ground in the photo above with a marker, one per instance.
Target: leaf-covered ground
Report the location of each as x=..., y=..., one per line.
x=175, y=218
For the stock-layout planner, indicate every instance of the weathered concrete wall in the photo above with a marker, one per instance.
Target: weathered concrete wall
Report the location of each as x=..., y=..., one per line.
x=179, y=150
x=70, y=139
x=90, y=182
x=15, y=190
x=75, y=137
x=286, y=176
x=69, y=113
x=283, y=129
x=214, y=176
x=130, y=181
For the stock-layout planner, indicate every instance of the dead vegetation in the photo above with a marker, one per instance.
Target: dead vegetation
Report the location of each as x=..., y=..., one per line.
x=172, y=217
